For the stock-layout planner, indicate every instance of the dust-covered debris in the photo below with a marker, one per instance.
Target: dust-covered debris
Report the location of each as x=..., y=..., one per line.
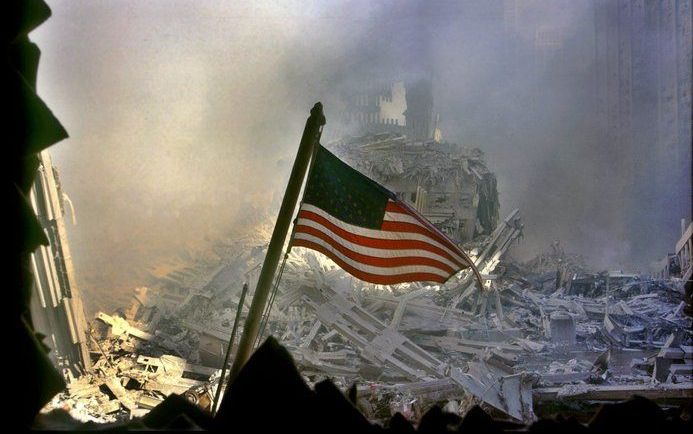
x=550, y=328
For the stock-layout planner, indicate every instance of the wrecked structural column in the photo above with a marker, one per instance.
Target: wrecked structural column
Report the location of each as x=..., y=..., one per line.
x=57, y=309
x=309, y=141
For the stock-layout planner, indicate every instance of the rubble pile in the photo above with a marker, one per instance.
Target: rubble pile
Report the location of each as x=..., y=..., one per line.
x=536, y=333
x=509, y=346
x=132, y=374
x=169, y=340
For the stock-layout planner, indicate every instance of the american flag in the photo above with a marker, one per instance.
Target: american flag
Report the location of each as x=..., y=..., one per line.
x=366, y=230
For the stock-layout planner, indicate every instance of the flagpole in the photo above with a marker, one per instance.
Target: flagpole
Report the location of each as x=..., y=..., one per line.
x=309, y=142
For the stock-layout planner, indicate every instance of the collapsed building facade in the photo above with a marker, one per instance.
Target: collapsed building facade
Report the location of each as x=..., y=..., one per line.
x=448, y=184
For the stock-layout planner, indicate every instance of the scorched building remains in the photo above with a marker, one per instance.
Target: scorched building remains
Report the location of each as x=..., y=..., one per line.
x=399, y=144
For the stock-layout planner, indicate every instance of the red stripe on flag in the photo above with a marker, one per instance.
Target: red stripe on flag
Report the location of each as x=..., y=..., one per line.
x=378, y=243
x=395, y=207
x=373, y=260
x=400, y=208
x=369, y=277
x=393, y=226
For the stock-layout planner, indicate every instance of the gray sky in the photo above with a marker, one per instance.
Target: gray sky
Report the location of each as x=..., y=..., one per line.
x=184, y=117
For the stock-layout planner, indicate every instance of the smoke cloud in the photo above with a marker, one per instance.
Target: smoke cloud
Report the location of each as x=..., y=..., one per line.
x=184, y=118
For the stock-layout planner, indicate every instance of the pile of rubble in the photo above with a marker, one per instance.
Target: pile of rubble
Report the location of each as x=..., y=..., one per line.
x=133, y=374
x=170, y=339
x=536, y=333
x=509, y=346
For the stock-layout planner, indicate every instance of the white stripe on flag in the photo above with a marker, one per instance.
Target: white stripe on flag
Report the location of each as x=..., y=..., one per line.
x=382, y=271
x=404, y=218
x=372, y=251
x=374, y=233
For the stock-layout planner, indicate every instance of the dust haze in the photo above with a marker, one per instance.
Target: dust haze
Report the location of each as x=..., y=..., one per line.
x=184, y=118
